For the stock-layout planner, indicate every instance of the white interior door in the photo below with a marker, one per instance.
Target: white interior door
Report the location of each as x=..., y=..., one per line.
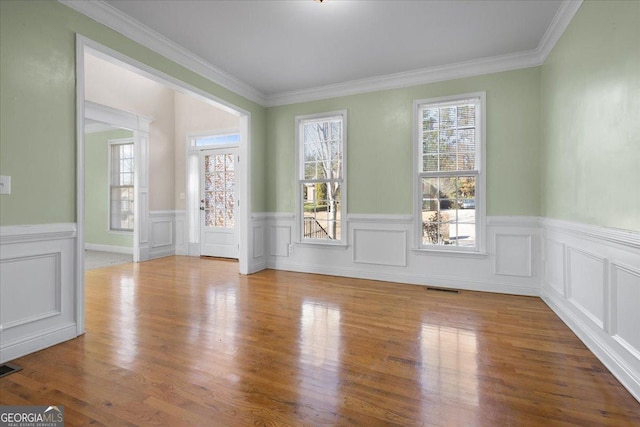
x=218, y=203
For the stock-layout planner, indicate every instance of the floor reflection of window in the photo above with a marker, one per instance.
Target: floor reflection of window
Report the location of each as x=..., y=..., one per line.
x=449, y=365
x=320, y=341
x=128, y=348
x=319, y=363
x=222, y=318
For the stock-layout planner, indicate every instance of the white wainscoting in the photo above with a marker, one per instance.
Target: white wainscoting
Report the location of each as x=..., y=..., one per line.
x=182, y=240
x=380, y=247
x=163, y=233
x=37, y=288
x=592, y=281
x=257, y=239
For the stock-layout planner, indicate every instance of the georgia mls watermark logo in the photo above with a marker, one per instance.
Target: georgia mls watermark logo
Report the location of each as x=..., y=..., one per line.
x=31, y=416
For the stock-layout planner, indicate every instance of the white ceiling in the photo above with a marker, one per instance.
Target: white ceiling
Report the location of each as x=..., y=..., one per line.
x=281, y=47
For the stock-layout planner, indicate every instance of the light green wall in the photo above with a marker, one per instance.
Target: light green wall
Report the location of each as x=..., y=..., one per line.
x=380, y=145
x=96, y=190
x=37, y=108
x=590, y=118
x=562, y=139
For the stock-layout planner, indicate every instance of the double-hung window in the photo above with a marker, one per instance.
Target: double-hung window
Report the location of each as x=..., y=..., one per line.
x=449, y=143
x=321, y=184
x=121, y=193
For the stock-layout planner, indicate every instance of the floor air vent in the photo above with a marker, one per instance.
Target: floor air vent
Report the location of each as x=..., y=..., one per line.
x=451, y=291
x=8, y=369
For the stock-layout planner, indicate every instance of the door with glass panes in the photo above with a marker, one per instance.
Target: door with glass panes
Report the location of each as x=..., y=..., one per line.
x=218, y=230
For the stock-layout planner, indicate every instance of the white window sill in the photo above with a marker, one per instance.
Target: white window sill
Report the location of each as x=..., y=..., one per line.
x=452, y=252
x=324, y=245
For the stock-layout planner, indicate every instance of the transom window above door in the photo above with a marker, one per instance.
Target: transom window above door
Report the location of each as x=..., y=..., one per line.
x=213, y=140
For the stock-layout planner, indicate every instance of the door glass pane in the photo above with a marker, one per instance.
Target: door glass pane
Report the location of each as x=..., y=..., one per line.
x=219, y=186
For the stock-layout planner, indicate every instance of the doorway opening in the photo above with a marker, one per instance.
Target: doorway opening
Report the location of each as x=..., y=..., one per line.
x=212, y=202
x=162, y=218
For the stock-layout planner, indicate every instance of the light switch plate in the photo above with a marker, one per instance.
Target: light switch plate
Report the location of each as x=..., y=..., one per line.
x=5, y=184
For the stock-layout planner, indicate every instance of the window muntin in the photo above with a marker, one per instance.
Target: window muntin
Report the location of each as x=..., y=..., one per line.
x=321, y=177
x=449, y=139
x=121, y=192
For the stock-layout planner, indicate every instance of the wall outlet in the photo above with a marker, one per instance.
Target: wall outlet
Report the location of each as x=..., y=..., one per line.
x=291, y=248
x=5, y=184
x=182, y=196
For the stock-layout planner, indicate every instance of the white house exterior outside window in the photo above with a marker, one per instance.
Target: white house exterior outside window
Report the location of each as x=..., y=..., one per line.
x=321, y=177
x=449, y=139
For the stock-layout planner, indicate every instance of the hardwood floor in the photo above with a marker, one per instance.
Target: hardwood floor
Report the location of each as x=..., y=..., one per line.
x=188, y=341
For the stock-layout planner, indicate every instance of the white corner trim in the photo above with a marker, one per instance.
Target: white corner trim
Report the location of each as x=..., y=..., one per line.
x=37, y=232
x=612, y=235
x=113, y=18
x=560, y=22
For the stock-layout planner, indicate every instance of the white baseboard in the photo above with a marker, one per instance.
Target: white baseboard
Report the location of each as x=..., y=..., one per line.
x=589, y=275
x=108, y=248
x=37, y=341
x=380, y=247
x=599, y=344
x=37, y=260
x=591, y=280
x=451, y=282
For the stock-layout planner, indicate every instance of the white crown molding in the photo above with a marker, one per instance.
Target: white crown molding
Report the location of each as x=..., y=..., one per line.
x=409, y=78
x=107, y=15
x=560, y=22
x=113, y=18
x=495, y=64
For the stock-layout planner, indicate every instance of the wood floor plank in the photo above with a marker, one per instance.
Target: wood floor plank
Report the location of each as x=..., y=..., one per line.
x=189, y=341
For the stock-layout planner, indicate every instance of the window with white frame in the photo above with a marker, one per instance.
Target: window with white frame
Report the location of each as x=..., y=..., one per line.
x=321, y=185
x=216, y=139
x=121, y=174
x=450, y=172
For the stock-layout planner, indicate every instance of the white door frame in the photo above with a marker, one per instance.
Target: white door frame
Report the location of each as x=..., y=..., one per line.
x=192, y=181
x=140, y=127
x=201, y=153
x=84, y=44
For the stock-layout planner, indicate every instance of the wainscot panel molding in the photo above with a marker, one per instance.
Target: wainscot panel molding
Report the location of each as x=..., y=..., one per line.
x=182, y=241
x=592, y=281
x=257, y=240
x=37, y=287
x=162, y=233
x=380, y=247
